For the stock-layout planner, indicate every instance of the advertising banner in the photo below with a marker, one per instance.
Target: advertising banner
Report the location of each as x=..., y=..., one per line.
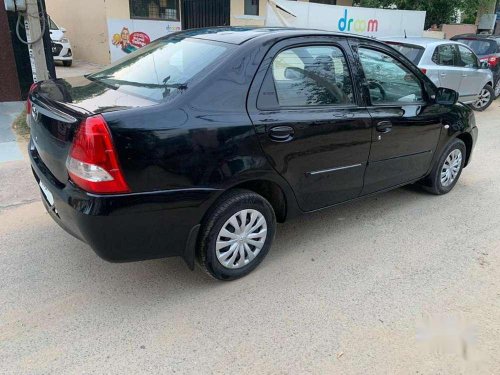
x=126, y=36
x=365, y=21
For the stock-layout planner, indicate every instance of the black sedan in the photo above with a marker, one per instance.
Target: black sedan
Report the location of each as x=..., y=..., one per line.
x=197, y=144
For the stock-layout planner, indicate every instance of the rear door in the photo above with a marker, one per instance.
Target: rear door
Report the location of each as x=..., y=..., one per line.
x=304, y=106
x=472, y=78
x=406, y=125
x=450, y=73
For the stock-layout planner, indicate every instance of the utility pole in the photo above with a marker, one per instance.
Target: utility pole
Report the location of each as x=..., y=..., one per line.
x=34, y=37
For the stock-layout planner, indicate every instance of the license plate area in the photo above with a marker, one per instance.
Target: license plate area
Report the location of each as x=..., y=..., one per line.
x=47, y=194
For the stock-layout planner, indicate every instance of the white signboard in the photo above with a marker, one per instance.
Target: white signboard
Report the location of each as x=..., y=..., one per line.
x=126, y=36
x=366, y=21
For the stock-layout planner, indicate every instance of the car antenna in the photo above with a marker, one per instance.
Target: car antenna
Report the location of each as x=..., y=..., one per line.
x=405, y=33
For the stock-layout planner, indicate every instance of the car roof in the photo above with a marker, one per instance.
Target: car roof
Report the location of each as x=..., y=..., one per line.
x=240, y=35
x=477, y=36
x=417, y=41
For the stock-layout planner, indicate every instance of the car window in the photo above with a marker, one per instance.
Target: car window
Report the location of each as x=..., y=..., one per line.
x=52, y=25
x=412, y=52
x=389, y=81
x=162, y=68
x=480, y=47
x=467, y=58
x=312, y=76
x=445, y=55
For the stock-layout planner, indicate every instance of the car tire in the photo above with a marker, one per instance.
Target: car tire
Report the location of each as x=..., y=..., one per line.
x=486, y=96
x=447, y=171
x=229, y=256
x=497, y=88
x=67, y=63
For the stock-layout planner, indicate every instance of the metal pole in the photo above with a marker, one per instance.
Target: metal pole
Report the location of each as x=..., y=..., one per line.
x=36, y=50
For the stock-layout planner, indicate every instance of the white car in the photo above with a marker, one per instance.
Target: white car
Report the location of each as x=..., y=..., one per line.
x=61, y=47
x=452, y=65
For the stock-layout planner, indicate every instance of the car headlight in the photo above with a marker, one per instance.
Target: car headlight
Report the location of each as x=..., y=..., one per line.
x=63, y=40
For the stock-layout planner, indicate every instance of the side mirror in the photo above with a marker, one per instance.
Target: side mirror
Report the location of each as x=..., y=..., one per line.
x=293, y=73
x=446, y=96
x=484, y=65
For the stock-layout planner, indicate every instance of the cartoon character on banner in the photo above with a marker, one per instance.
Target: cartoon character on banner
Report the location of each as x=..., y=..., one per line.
x=123, y=41
x=130, y=42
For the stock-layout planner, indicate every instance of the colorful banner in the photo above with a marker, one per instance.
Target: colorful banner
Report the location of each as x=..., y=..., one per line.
x=126, y=36
x=366, y=21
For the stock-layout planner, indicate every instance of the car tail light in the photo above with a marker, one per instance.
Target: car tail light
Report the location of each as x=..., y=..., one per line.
x=28, y=101
x=491, y=60
x=423, y=70
x=92, y=161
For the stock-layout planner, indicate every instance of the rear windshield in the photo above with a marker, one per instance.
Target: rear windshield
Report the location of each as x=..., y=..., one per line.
x=480, y=46
x=411, y=52
x=162, y=68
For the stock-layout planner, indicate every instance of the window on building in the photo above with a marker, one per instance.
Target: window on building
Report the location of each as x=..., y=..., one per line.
x=155, y=9
x=329, y=2
x=252, y=7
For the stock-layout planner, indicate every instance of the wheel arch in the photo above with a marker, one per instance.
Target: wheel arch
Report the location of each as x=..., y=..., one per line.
x=467, y=139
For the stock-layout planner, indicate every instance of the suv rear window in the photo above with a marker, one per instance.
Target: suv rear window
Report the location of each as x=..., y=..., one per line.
x=411, y=52
x=162, y=68
x=480, y=46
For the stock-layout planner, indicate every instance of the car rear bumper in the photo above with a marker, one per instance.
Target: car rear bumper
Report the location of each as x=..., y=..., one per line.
x=127, y=227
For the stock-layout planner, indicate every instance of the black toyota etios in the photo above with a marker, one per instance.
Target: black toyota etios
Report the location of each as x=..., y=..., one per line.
x=197, y=144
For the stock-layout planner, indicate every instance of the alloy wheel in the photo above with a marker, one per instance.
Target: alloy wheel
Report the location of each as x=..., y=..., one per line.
x=483, y=100
x=241, y=238
x=451, y=167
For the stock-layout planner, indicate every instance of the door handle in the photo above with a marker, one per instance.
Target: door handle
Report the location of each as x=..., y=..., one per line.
x=384, y=126
x=344, y=115
x=443, y=74
x=281, y=133
x=464, y=75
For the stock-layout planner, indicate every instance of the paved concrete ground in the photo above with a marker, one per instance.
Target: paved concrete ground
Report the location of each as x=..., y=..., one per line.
x=403, y=283
x=9, y=149
x=79, y=68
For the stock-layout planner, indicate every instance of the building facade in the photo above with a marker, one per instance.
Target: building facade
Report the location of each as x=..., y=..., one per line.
x=99, y=29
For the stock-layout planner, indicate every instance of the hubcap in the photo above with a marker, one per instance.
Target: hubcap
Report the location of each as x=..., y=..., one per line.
x=484, y=98
x=241, y=238
x=451, y=167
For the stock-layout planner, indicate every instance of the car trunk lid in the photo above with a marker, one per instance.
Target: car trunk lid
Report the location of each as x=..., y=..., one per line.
x=58, y=107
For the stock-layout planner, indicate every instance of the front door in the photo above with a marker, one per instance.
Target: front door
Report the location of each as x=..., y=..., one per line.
x=406, y=128
x=309, y=124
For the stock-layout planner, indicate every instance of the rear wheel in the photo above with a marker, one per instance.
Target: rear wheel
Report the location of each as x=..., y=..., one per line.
x=485, y=98
x=236, y=235
x=448, y=169
x=67, y=62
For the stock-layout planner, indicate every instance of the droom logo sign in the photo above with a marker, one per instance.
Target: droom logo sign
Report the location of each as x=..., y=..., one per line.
x=358, y=25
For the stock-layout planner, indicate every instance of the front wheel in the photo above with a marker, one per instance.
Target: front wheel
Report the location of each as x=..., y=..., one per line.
x=486, y=96
x=236, y=235
x=448, y=169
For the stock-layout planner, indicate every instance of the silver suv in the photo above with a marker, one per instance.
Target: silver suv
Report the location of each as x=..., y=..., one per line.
x=450, y=64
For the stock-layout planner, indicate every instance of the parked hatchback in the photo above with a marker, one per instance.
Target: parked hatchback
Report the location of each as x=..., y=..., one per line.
x=61, y=46
x=197, y=144
x=450, y=64
x=487, y=48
